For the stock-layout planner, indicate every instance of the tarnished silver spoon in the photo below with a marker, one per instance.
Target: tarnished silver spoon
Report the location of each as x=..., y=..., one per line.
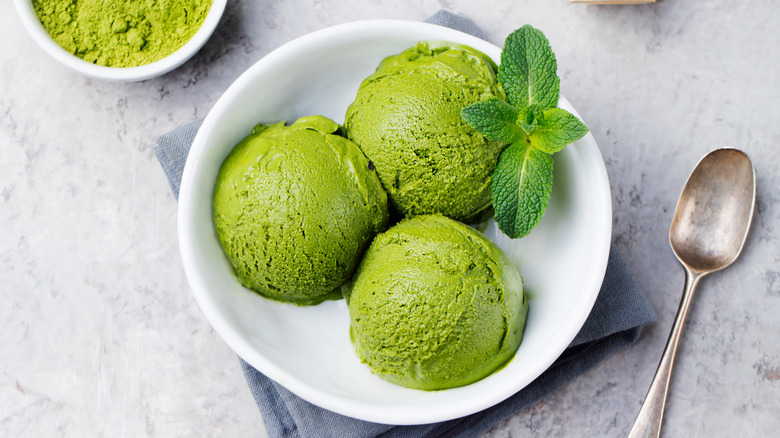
x=708, y=231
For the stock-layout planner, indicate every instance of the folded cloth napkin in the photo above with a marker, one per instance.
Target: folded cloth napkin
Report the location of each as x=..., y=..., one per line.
x=617, y=317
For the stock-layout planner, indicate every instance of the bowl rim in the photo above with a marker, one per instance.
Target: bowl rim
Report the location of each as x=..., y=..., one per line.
x=233, y=337
x=35, y=29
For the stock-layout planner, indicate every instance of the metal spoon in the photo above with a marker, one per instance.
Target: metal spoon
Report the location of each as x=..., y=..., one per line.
x=708, y=231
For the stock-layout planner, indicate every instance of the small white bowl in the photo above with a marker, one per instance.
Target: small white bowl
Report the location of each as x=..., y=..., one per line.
x=307, y=349
x=34, y=27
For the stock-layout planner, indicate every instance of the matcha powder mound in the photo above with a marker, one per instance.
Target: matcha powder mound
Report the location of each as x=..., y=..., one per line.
x=121, y=33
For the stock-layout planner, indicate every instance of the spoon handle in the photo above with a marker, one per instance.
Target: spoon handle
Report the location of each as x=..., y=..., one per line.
x=648, y=422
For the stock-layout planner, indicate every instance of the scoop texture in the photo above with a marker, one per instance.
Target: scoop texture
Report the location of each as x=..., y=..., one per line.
x=295, y=207
x=436, y=305
x=406, y=118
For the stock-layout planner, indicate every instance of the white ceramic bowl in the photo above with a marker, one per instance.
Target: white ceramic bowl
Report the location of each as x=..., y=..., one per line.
x=307, y=349
x=34, y=27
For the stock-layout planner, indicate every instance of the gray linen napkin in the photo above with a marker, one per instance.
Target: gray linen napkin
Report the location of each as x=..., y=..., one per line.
x=620, y=311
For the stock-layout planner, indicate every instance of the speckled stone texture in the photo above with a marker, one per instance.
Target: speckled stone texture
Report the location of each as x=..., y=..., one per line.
x=100, y=335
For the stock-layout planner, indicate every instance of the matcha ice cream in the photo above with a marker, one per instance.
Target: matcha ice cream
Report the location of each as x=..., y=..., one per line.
x=295, y=207
x=406, y=118
x=436, y=305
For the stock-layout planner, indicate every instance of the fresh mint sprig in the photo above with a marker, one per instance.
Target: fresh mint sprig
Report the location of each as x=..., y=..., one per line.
x=532, y=126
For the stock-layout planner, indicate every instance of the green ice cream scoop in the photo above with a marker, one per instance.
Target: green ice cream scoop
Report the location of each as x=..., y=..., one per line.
x=295, y=207
x=406, y=118
x=436, y=305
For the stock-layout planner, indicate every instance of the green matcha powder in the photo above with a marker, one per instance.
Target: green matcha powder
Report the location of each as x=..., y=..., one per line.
x=121, y=33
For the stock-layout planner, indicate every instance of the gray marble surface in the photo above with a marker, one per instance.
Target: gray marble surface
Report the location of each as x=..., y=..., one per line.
x=100, y=335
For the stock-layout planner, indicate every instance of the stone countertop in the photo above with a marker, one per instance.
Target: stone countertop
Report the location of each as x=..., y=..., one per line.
x=100, y=334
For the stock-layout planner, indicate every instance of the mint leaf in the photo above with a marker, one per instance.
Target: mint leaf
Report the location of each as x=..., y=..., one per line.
x=528, y=70
x=556, y=129
x=522, y=180
x=521, y=186
x=495, y=119
x=529, y=118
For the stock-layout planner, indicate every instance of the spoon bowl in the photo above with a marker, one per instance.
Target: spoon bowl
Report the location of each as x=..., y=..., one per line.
x=709, y=229
x=714, y=211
